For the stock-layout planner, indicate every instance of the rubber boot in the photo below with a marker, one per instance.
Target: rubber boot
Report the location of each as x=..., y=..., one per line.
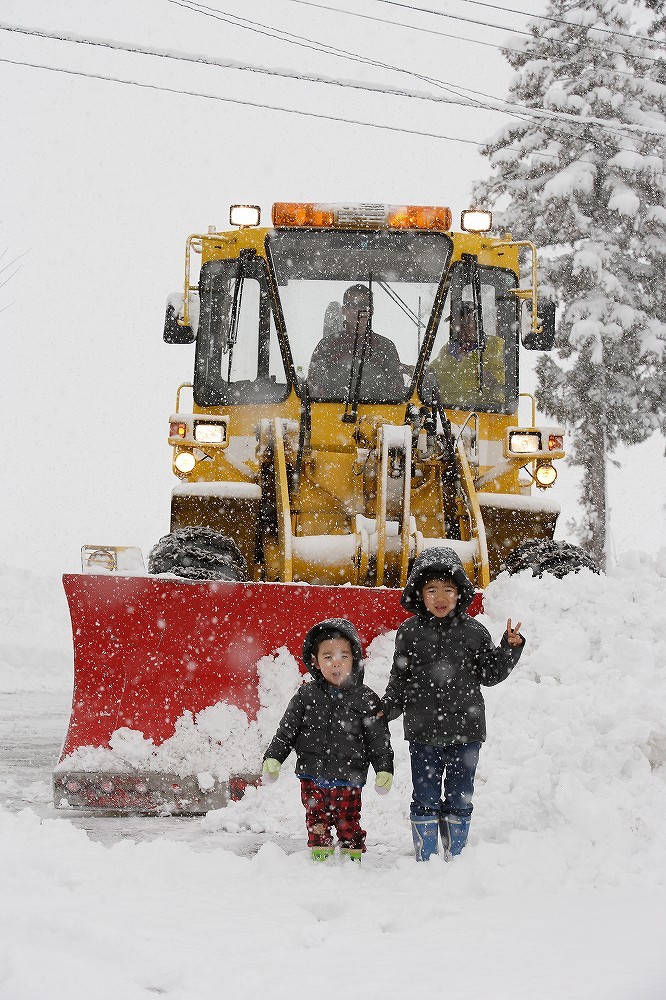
x=322, y=853
x=454, y=830
x=424, y=834
x=350, y=854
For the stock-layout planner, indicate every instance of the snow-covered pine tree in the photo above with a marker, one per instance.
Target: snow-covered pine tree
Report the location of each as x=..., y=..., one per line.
x=659, y=20
x=589, y=188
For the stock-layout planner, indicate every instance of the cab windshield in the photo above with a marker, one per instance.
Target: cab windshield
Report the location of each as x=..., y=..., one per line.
x=357, y=306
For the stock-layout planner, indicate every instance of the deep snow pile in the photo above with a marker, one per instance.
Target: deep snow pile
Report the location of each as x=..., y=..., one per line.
x=35, y=632
x=571, y=782
x=560, y=892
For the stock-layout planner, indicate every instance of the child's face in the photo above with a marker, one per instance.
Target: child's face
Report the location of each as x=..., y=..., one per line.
x=335, y=660
x=440, y=597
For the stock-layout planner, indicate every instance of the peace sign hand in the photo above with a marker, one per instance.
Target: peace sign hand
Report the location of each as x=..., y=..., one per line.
x=513, y=634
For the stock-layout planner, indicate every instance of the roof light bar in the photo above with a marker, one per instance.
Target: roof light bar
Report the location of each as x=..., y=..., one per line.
x=364, y=216
x=475, y=220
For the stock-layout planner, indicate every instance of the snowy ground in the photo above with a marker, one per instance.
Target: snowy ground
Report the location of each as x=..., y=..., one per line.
x=561, y=892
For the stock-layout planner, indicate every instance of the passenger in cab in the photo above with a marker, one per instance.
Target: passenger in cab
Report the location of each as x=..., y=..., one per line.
x=456, y=367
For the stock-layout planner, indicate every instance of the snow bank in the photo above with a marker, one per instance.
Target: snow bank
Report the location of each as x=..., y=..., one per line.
x=144, y=920
x=35, y=630
x=573, y=765
x=560, y=892
x=571, y=783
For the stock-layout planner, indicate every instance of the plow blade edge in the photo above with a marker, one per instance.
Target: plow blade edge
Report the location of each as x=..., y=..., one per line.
x=149, y=649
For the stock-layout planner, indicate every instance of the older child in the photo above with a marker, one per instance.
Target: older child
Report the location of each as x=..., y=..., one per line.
x=442, y=657
x=332, y=725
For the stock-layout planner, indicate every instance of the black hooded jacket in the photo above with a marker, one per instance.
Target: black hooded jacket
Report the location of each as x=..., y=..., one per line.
x=440, y=663
x=334, y=730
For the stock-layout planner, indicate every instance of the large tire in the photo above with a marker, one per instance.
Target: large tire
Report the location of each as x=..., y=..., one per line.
x=546, y=556
x=198, y=554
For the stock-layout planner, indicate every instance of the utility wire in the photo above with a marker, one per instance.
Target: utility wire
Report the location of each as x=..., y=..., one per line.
x=232, y=100
x=539, y=17
x=229, y=64
x=517, y=111
x=244, y=67
x=398, y=24
x=515, y=31
x=271, y=107
x=264, y=70
x=431, y=31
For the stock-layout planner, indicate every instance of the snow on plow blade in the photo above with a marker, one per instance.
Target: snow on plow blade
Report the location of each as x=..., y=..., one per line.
x=149, y=649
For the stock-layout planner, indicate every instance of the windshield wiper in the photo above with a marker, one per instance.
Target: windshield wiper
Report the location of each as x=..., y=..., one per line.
x=230, y=340
x=471, y=275
x=351, y=404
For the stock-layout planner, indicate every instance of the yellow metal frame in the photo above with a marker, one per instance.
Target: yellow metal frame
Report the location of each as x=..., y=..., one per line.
x=526, y=293
x=336, y=482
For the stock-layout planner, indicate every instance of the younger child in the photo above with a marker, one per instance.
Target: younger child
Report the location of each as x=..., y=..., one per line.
x=332, y=725
x=442, y=657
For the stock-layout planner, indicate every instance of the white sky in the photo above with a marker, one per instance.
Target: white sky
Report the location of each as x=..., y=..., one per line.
x=102, y=182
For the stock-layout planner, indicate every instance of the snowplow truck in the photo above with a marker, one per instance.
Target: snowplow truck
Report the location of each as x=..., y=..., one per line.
x=355, y=400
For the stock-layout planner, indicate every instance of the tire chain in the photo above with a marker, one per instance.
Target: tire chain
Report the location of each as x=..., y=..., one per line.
x=190, y=553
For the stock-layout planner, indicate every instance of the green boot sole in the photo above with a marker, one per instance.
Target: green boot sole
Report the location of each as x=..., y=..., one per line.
x=322, y=853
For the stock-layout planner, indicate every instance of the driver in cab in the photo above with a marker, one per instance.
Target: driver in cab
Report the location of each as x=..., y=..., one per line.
x=351, y=352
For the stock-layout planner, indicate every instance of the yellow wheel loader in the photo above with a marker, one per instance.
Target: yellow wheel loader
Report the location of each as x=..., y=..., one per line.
x=355, y=400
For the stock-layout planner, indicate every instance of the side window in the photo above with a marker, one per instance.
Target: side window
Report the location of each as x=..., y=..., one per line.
x=474, y=354
x=253, y=351
x=238, y=357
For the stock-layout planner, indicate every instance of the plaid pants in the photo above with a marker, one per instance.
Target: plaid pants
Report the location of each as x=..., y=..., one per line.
x=338, y=807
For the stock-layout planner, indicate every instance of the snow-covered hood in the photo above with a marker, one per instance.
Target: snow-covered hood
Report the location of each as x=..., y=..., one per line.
x=346, y=629
x=440, y=559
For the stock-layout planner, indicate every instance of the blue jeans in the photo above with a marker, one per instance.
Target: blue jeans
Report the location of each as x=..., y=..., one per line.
x=429, y=765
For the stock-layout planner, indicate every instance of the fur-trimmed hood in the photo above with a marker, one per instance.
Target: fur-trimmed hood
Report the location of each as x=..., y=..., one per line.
x=432, y=561
x=319, y=631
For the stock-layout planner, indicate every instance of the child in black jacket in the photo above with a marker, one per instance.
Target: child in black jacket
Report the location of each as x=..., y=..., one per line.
x=442, y=657
x=332, y=725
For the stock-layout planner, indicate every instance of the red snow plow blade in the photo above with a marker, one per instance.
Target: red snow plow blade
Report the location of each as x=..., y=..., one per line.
x=149, y=649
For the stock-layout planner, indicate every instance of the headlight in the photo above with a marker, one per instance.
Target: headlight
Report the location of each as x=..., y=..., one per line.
x=545, y=474
x=475, y=220
x=524, y=442
x=244, y=215
x=209, y=433
x=185, y=461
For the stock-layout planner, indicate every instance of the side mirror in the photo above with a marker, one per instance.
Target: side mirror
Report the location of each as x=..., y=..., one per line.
x=545, y=339
x=174, y=333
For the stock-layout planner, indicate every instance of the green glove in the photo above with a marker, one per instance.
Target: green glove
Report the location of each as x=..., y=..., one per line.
x=383, y=782
x=271, y=770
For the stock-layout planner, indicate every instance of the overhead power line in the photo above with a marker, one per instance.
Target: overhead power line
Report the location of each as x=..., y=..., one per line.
x=517, y=31
x=460, y=99
x=503, y=47
x=244, y=67
x=537, y=17
x=233, y=100
x=231, y=64
x=515, y=110
x=270, y=107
